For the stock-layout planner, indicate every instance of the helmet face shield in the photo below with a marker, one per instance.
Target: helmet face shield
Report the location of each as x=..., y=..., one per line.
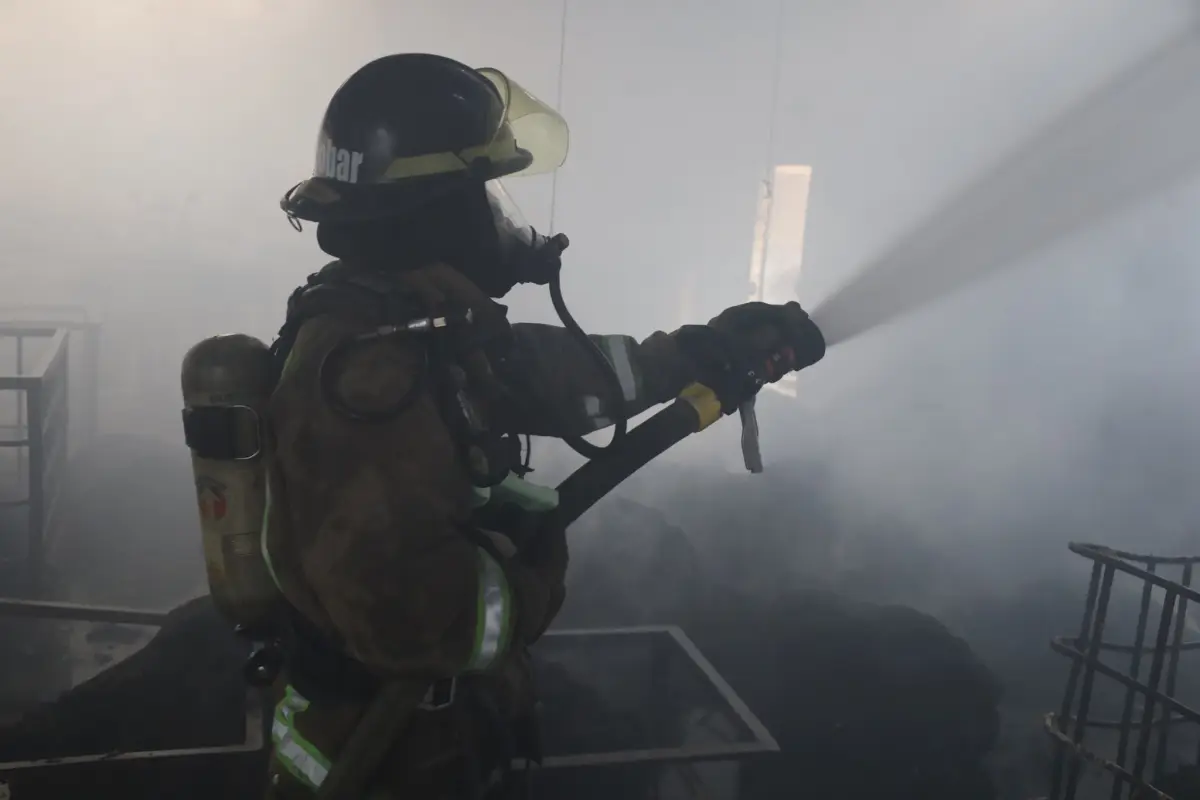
x=537, y=128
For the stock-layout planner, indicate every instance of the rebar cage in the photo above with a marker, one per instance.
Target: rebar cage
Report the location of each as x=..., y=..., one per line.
x=1157, y=732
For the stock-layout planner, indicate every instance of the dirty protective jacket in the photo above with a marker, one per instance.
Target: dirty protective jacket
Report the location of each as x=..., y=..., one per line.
x=365, y=525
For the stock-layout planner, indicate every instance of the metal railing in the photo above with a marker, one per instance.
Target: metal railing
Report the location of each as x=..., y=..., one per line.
x=41, y=430
x=253, y=740
x=1133, y=772
x=83, y=340
x=685, y=755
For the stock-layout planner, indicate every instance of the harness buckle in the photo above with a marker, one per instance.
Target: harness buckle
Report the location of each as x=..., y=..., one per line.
x=440, y=695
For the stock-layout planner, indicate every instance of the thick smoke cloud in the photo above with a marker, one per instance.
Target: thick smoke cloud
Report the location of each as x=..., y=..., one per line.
x=146, y=145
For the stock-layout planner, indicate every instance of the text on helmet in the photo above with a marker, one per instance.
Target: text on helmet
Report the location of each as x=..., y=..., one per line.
x=337, y=162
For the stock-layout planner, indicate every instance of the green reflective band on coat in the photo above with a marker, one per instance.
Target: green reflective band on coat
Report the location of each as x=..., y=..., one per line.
x=618, y=350
x=525, y=494
x=480, y=496
x=298, y=756
x=493, y=616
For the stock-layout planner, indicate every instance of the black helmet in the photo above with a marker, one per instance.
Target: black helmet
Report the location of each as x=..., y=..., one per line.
x=411, y=127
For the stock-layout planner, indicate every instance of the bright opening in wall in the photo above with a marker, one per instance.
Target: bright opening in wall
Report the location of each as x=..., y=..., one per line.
x=778, y=251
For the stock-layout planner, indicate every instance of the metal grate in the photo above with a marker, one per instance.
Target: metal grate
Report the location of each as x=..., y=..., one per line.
x=689, y=723
x=1153, y=716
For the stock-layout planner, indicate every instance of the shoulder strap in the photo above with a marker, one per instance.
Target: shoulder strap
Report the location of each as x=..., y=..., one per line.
x=382, y=298
x=374, y=295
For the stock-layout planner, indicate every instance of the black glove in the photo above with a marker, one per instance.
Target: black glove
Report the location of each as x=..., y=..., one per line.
x=748, y=345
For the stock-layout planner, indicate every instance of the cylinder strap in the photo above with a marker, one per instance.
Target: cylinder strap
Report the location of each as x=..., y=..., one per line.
x=262, y=536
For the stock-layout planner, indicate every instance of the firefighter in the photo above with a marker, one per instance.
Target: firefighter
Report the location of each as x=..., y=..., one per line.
x=410, y=548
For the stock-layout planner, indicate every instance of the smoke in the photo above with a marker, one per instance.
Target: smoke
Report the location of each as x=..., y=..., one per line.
x=1099, y=157
x=146, y=145
x=1052, y=401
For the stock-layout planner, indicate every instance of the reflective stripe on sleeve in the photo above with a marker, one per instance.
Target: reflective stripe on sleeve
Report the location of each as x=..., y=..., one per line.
x=618, y=354
x=595, y=414
x=493, y=614
x=298, y=756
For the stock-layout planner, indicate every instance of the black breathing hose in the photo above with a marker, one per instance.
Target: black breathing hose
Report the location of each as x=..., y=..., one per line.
x=617, y=392
x=696, y=408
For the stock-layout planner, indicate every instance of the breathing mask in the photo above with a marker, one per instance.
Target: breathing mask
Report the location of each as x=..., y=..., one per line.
x=525, y=254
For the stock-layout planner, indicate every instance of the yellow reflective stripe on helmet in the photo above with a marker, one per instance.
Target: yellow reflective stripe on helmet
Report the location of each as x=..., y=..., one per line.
x=502, y=148
x=298, y=756
x=493, y=615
